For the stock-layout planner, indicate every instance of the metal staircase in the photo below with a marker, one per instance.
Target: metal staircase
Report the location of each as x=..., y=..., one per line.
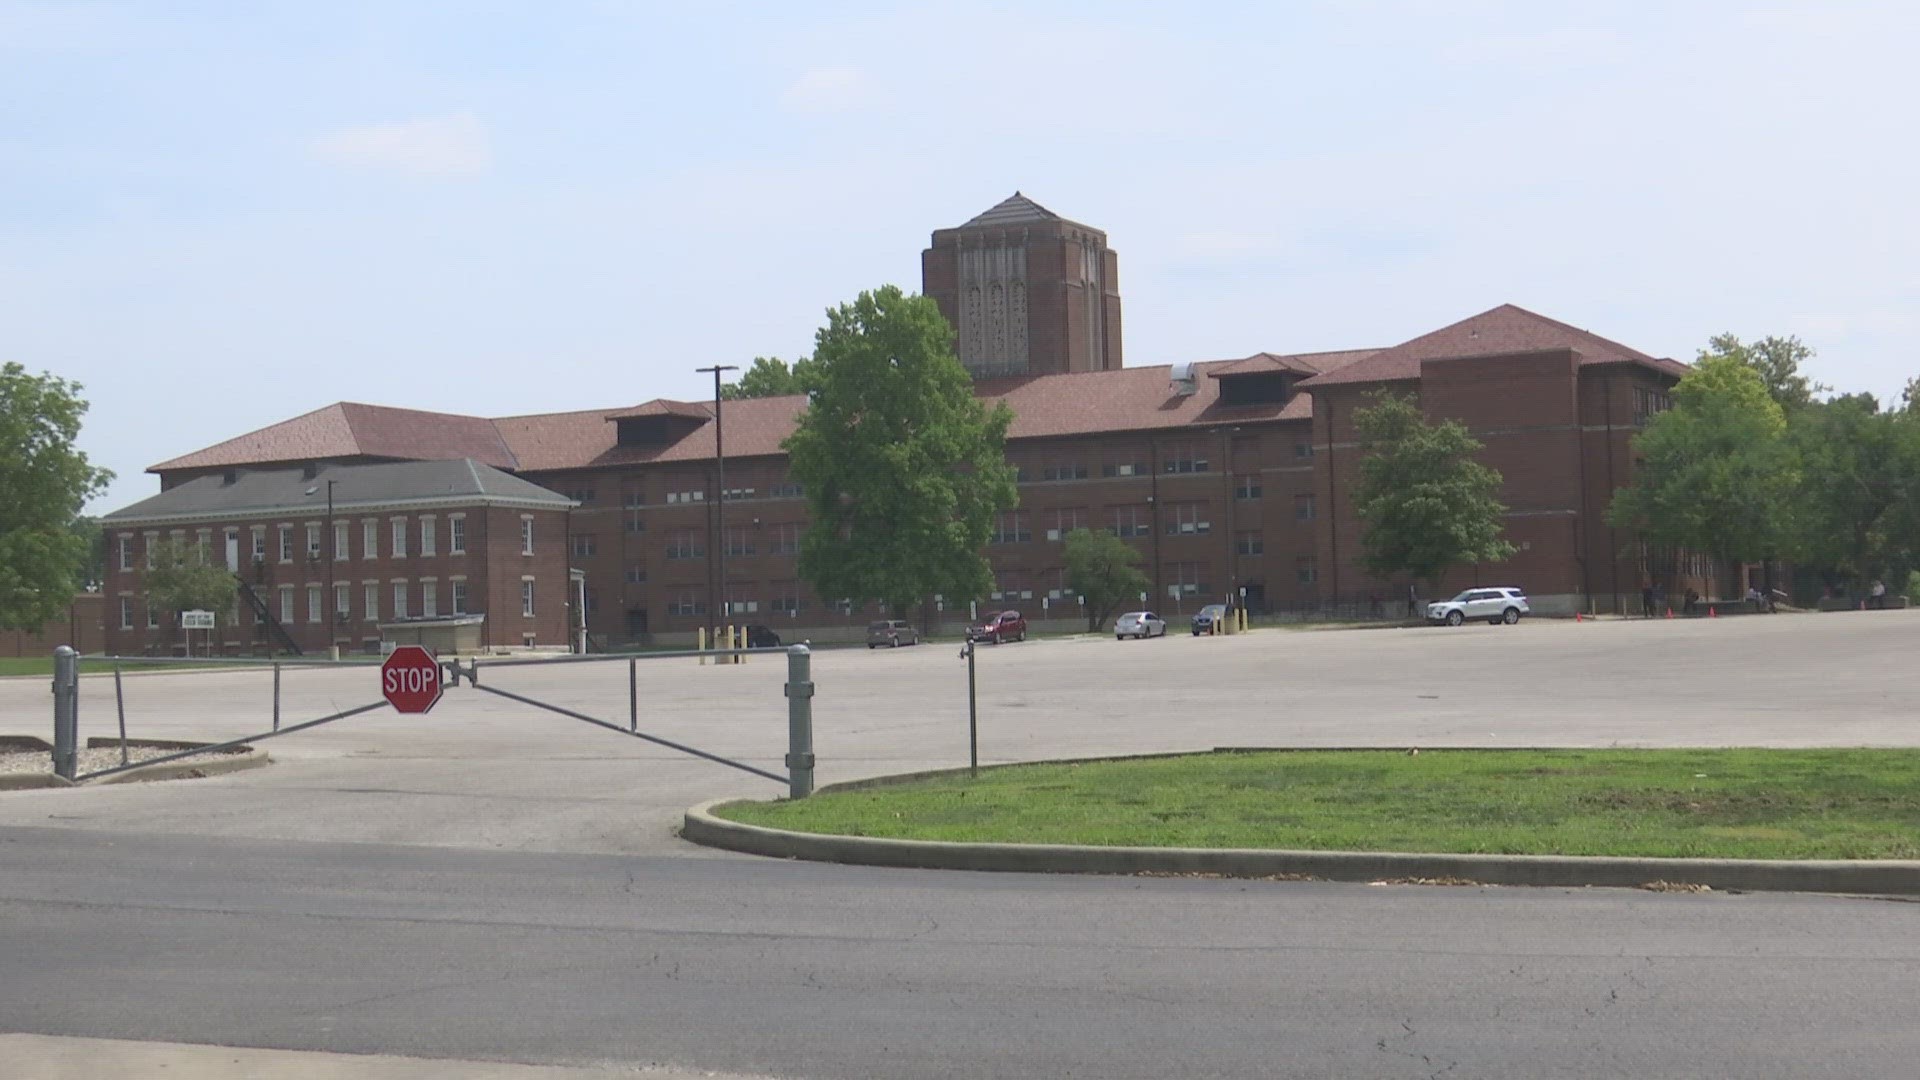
x=265, y=615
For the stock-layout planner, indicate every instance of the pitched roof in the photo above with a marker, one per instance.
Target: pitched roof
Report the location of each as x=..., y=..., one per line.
x=1012, y=210
x=1502, y=330
x=664, y=407
x=349, y=429
x=380, y=483
x=1299, y=363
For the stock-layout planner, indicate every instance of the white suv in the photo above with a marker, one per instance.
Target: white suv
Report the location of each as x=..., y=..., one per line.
x=1494, y=605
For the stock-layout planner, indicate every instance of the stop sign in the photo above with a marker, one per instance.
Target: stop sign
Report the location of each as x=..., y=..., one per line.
x=410, y=679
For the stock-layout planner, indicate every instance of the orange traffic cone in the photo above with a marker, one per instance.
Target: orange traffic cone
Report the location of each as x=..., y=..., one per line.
x=1576, y=616
x=1712, y=614
x=1669, y=613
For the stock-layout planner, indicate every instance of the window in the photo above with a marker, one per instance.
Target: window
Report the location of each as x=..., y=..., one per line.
x=369, y=539
x=1306, y=569
x=286, y=544
x=202, y=545
x=429, y=598
x=313, y=603
x=1303, y=449
x=686, y=602
x=1065, y=521
x=153, y=611
x=399, y=538
x=633, y=498
x=126, y=612
x=1246, y=487
x=786, y=538
x=526, y=536
x=737, y=494
x=342, y=602
x=151, y=547
x=1189, y=518
x=457, y=534
x=684, y=544
x=1012, y=528
x=698, y=495
x=526, y=599
x=1185, y=458
x=738, y=540
x=1127, y=467
x=259, y=543
x=1648, y=403
x=1064, y=472
x=582, y=494
x=1129, y=521
x=1303, y=508
x=286, y=605
x=342, y=548
x=786, y=598
x=399, y=600
x=1019, y=473
x=633, y=521
x=372, y=600
x=636, y=573
x=126, y=553
x=584, y=545
x=313, y=541
x=429, y=541
x=1249, y=543
x=788, y=489
x=459, y=598
x=1184, y=579
x=743, y=607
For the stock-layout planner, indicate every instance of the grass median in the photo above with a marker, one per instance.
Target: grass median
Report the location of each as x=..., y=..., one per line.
x=1744, y=804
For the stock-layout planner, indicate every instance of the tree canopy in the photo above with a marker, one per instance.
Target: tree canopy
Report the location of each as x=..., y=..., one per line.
x=904, y=468
x=1426, y=503
x=1716, y=472
x=44, y=483
x=1776, y=360
x=769, y=376
x=185, y=577
x=1100, y=568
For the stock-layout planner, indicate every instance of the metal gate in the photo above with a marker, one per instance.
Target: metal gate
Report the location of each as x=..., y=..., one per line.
x=798, y=690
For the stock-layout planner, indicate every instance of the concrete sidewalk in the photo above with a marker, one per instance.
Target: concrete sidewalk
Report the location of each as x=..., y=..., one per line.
x=45, y=1057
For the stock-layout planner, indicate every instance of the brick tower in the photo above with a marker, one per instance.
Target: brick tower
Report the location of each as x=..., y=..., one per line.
x=1027, y=291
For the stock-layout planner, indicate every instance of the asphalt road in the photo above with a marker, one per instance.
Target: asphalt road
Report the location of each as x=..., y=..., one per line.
x=790, y=969
x=492, y=882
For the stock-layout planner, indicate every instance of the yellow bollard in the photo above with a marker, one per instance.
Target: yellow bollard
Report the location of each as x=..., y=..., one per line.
x=700, y=644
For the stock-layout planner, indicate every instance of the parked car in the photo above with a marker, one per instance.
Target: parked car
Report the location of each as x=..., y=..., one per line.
x=892, y=633
x=1499, y=605
x=762, y=637
x=999, y=626
x=1139, y=624
x=1206, y=617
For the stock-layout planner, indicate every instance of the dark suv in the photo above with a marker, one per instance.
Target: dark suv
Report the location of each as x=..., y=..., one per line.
x=998, y=627
x=761, y=637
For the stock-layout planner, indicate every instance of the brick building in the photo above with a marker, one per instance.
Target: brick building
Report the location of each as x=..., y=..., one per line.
x=393, y=542
x=1027, y=291
x=1227, y=475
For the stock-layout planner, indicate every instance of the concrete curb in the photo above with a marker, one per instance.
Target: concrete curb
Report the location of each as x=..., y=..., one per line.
x=188, y=768
x=27, y=781
x=1877, y=877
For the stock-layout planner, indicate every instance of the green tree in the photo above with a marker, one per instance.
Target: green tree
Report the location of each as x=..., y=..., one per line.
x=1852, y=475
x=904, y=468
x=185, y=577
x=1776, y=360
x=1426, y=502
x=1100, y=568
x=44, y=483
x=93, y=568
x=1716, y=472
x=769, y=376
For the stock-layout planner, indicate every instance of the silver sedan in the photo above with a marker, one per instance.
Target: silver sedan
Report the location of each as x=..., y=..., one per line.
x=1139, y=624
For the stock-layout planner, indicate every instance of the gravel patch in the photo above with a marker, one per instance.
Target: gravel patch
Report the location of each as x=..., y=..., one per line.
x=91, y=760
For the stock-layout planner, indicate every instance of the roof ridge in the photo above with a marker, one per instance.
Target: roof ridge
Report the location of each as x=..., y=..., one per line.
x=1569, y=327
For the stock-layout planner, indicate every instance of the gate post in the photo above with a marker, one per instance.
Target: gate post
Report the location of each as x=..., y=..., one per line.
x=66, y=712
x=799, y=691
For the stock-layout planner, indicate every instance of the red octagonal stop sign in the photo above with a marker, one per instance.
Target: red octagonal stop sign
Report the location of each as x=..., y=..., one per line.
x=410, y=679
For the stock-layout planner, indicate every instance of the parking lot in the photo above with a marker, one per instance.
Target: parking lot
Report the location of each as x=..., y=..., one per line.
x=483, y=771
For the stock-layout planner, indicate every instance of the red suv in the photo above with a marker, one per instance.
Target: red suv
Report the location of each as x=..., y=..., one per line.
x=998, y=627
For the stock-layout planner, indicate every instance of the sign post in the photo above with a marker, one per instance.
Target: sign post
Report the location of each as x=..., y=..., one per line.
x=197, y=620
x=410, y=679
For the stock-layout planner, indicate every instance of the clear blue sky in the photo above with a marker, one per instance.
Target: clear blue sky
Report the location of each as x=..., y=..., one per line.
x=219, y=215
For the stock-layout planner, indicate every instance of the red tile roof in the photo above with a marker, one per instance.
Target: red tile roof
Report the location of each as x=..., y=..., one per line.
x=664, y=407
x=349, y=429
x=1505, y=329
x=1298, y=363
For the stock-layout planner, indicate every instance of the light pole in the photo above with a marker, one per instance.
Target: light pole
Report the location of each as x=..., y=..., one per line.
x=330, y=604
x=717, y=536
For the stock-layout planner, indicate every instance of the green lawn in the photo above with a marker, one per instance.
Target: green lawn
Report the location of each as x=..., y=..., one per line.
x=43, y=665
x=1760, y=804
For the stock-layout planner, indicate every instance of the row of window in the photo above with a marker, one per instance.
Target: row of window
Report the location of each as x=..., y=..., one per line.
x=1127, y=521
x=1176, y=460
x=400, y=531
x=401, y=593
x=587, y=494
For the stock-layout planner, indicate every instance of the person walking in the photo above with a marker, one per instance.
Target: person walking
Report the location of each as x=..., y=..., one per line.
x=1879, y=594
x=1413, y=601
x=1646, y=601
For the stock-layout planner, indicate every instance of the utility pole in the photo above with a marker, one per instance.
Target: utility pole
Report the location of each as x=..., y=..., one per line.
x=717, y=593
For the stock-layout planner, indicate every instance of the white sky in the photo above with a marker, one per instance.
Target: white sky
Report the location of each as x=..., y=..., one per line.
x=217, y=216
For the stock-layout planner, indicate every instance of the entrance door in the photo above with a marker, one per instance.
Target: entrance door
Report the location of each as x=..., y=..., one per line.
x=233, y=553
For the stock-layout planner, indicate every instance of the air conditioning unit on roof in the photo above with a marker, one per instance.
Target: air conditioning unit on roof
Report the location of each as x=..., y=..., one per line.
x=1183, y=380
